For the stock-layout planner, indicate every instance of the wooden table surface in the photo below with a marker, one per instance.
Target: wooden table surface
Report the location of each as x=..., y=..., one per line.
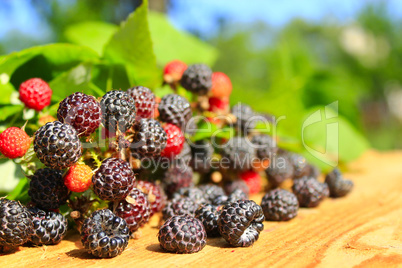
x=363, y=229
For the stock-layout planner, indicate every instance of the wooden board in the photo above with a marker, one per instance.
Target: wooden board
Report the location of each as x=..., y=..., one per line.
x=363, y=229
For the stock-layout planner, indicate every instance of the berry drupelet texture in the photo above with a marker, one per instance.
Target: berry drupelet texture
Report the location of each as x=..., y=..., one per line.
x=175, y=141
x=81, y=111
x=175, y=109
x=149, y=139
x=309, y=191
x=182, y=234
x=35, y=94
x=240, y=223
x=144, y=101
x=14, y=142
x=209, y=214
x=113, y=180
x=197, y=79
x=57, y=145
x=49, y=228
x=47, y=189
x=78, y=178
x=134, y=209
x=104, y=234
x=15, y=224
x=118, y=111
x=211, y=191
x=279, y=205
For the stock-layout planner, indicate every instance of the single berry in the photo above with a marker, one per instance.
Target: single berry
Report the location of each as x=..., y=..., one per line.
x=182, y=234
x=238, y=154
x=280, y=169
x=337, y=185
x=300, y=165
x=173, y=71
x=156, y=196
x=246, y=118
x=104, y=234
x=253, y=181
x=221, y=85
x=15, y=223
x=81, y=111
x=231, y=186
x=177, y=176
x=118, y=111
x=47, y=189
x=175, y=141
x=78, y=178
x=175, y=109
x=181, y=206
x=218, y=105
x=309, y=191
x=202, y=151
x=211, y=191
x=35, y=93
x=194, y=193
x=49, y=228
x=197, y=78
x=113, y=180
x=240, y=223
x=149, y=139
x=46, y=119
x=14, y=142
x=144, y=101
x=134, y=209
x=309, y=171
x=209, y=214
x=264, y=145
x=57, y=145
x=279, y=205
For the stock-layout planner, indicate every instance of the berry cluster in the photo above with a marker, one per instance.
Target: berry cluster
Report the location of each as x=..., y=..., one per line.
x=117, y=160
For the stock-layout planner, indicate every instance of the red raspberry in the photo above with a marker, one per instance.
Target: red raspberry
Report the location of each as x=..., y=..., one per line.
x=221, y=85
x=175, y=141
x=218, y=104
x=173, y=71
x=253, y=181
x=14, y=142
x=35, y=93
x=78, y=178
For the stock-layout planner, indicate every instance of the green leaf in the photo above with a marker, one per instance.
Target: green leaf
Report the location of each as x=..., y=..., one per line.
x=171, y=44
x=6, y=91
x=9, y=110
x=93, y=34
x=131, y=45
x=329, y=139
x=44, y=61
x=10, y=175
x=74, y=80
x=20, y=192
x=205, y=130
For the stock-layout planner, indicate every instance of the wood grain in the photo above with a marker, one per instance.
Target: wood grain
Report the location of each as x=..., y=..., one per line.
x=363, y=229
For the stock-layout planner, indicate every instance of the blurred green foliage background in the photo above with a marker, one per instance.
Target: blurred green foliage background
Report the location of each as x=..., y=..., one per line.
x=291, y=71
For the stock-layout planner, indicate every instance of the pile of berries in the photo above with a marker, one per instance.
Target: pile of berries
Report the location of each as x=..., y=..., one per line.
x=147, y=167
